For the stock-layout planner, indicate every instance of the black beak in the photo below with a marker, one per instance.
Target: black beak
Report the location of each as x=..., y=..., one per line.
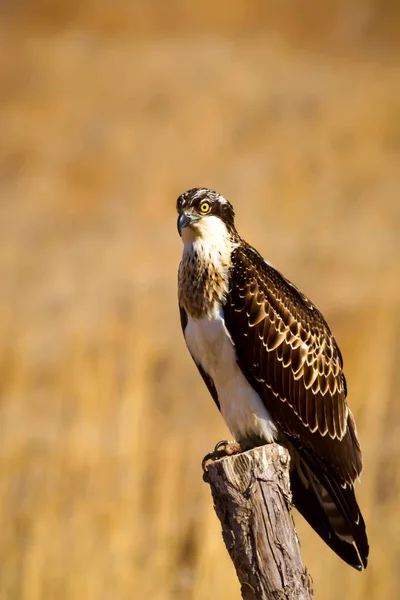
x=183, y=220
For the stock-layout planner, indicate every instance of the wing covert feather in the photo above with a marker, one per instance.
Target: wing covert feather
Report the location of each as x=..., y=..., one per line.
x=288, y=353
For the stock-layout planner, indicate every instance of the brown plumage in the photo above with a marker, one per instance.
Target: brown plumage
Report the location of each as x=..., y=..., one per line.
x=288, y=355
x=291, y=356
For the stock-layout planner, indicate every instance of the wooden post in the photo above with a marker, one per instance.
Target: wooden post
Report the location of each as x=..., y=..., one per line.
x=252, y=499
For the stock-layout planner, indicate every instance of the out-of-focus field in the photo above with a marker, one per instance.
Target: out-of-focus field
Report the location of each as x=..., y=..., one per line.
x=109, y=110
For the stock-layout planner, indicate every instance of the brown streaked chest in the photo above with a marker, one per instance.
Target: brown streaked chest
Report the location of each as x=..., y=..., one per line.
x=203, y=278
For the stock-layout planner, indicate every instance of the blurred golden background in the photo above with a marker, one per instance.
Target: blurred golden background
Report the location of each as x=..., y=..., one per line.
x=109, y=110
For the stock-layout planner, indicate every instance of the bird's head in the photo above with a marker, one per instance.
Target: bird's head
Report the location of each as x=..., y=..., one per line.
x=203, y=213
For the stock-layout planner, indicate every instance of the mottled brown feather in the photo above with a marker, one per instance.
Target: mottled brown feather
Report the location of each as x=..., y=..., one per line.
x=289, y=354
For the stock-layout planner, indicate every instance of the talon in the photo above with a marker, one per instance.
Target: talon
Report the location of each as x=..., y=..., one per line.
x=209, y=456
x=221, y=444
x=223, y=448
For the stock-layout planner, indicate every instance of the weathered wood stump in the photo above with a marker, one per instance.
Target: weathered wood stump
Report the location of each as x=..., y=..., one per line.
x=252, y=499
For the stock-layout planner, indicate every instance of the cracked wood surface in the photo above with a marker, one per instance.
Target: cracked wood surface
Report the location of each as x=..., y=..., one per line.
x=251, y=493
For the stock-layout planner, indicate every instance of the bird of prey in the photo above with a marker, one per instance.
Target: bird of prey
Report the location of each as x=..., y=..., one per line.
x=272, y=366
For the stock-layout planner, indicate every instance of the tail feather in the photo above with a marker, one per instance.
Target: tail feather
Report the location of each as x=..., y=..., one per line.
x=331, y=510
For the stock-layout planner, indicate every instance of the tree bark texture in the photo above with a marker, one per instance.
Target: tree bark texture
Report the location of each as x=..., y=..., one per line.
x=252, y=499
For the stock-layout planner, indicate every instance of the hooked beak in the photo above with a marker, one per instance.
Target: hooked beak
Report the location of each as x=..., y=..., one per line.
x=184, y=220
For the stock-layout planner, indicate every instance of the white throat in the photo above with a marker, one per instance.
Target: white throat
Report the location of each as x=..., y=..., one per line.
x=209, y=240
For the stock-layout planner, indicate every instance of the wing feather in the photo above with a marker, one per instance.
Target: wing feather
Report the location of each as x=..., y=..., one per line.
x=288, y=353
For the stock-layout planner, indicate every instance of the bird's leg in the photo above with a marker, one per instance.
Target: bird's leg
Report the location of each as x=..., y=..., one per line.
x=223, y=448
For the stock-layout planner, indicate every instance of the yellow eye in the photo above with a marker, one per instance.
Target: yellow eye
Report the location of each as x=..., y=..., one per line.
x=205, y=207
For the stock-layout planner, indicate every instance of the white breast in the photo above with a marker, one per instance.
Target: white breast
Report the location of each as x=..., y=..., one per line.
x=211, y=346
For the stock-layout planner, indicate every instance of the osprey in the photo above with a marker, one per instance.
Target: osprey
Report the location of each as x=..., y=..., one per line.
x=272, y=366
